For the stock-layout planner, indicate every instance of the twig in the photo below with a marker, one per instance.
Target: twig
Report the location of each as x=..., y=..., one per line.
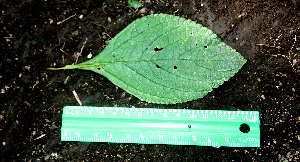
x=81, y=50
x=290, y=52
x=36, y=83
x=289, y=56
x=60, y=22
x=77, y=98
x=62, y=49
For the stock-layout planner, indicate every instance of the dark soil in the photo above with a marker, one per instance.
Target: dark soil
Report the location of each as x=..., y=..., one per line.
x=36, y=35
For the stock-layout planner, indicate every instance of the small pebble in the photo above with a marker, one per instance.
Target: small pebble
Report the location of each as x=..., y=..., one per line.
x=90, y=55
x=143, y=11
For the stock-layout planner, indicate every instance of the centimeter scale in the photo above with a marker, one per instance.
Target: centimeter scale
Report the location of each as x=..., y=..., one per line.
x=161, y=126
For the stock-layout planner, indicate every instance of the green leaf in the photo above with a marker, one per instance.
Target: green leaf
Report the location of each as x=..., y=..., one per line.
x=165, y=59
x=135, y=4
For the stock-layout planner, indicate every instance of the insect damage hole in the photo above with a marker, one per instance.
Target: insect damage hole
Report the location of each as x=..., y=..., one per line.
x=175, y=67
x=100, y=68
x=157, y=66
x=205, y=46
x=156, y=49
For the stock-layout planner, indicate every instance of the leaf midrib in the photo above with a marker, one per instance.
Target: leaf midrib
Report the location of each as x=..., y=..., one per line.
x=129, y=61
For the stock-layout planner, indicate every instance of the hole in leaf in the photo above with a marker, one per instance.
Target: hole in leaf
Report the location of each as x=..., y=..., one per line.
x=196, y=44
x=205, y=46
x=175, y=67
x=157, y=66
x=244, y=128
x=156, y=49
x=100, y=68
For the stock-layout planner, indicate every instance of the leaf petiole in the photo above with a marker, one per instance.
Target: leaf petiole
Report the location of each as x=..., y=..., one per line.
x=66, y=67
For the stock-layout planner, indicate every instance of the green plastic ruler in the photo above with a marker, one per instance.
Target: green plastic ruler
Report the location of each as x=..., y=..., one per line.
x=161, y=126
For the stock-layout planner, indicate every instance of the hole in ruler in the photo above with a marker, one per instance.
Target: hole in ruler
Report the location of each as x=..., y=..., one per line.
x=244, y=128
x=189, y=126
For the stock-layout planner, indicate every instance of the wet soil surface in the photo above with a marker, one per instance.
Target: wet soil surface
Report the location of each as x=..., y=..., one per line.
x=36, y=35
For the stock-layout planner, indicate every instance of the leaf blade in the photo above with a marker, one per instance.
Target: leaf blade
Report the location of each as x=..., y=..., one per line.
x=166, y=59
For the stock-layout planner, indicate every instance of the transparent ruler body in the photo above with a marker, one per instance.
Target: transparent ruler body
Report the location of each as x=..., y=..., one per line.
x=161, y=126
